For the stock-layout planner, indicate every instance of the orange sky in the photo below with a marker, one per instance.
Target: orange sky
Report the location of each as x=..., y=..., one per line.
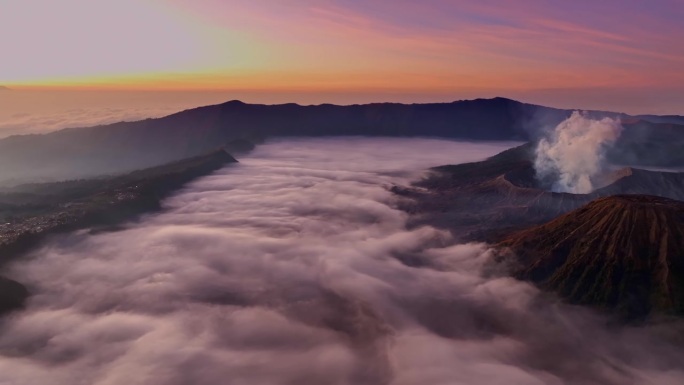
x=432, y=47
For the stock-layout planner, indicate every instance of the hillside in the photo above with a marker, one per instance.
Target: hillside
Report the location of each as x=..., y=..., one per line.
x=624, y=253
x=121, y=147
x=28, y=213
x=655, y=142
x=673, y=119
x=486, y=200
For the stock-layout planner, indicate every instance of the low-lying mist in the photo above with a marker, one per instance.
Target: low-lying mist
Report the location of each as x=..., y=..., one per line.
x=294, y=267
x=39, y=111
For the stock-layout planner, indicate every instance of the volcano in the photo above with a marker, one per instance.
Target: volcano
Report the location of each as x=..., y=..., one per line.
x=620, y=247
x=487, y=200
x=624, y=253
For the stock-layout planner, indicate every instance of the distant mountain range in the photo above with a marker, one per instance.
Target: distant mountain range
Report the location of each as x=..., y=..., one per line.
x=125, y=146
x=4, y=88
x=672, y=119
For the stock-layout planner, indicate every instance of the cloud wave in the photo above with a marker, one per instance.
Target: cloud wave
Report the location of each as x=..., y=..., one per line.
x=294, y=267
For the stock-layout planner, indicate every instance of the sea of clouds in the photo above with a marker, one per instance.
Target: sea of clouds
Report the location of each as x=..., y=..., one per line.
x=291, y=268
x=25, y=123
x=40, y=111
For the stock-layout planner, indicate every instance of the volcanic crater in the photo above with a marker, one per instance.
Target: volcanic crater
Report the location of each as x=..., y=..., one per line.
x=620, y=247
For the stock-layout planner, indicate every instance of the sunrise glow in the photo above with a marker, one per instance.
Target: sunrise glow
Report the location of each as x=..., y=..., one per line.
x=435, y=47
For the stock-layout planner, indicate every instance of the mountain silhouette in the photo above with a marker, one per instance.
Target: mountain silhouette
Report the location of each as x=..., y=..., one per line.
x=125, y=146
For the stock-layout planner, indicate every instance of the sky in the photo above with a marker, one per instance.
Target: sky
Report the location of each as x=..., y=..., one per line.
x=622, y=55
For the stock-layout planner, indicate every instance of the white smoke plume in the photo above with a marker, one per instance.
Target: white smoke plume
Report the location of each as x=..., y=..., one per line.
x=290, y=268
x=572, y=157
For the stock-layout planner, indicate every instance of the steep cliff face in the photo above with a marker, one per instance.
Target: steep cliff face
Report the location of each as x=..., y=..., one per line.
x=624, y=253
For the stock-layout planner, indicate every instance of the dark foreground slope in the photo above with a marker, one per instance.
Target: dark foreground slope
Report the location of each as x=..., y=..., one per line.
x=121, y=147
x=489, y=199
x=28, y=213
x=624, y=253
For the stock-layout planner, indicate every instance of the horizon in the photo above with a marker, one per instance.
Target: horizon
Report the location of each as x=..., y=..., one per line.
x=343, y=192
x=548, y=53
x=39, y=112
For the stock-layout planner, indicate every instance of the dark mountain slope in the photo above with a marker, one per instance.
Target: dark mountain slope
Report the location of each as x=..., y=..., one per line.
x=624, y=253
x=124, y=146
x=121, y=147
x=12, y=295
x=673, y=119
x=28, y=213
x=486, y=200
x=644, y=143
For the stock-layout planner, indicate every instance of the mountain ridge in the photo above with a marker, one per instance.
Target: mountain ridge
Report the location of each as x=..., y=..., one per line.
x=484, y=200
x=124, y=146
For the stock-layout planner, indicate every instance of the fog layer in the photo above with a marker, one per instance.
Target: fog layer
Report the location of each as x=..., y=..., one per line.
x=32, y=112
x=294, y=267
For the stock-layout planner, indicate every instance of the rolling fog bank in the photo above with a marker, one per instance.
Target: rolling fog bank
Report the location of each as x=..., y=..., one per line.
x=295, y=267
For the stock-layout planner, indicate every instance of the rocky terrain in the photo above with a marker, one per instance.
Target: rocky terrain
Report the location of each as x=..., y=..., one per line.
x=486, y=200
x=620, y=247
x=624, y=253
